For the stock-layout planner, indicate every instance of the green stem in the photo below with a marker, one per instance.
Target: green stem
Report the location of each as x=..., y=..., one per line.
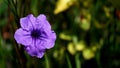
x=47, y=61
x=77, y=60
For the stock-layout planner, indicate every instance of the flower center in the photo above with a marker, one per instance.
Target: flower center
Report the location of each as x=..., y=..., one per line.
x=35, y=33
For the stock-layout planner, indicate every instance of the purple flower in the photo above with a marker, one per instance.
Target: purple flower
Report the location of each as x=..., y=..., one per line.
x=35, y=35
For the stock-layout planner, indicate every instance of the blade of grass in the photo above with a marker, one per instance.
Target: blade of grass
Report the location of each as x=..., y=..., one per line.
x=68, y=61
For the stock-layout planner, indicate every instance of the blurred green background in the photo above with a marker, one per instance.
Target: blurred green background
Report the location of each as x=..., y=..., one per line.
x=88, y=33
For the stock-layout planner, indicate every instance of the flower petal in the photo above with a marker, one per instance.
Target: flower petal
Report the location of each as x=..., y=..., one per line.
x=31, y=50
x=40, y=44
x=53, y=35
x=40, y=54
x=46, y=43
x=42, y=20
x=52, y=38
x=23, y=37
x=28, y=22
